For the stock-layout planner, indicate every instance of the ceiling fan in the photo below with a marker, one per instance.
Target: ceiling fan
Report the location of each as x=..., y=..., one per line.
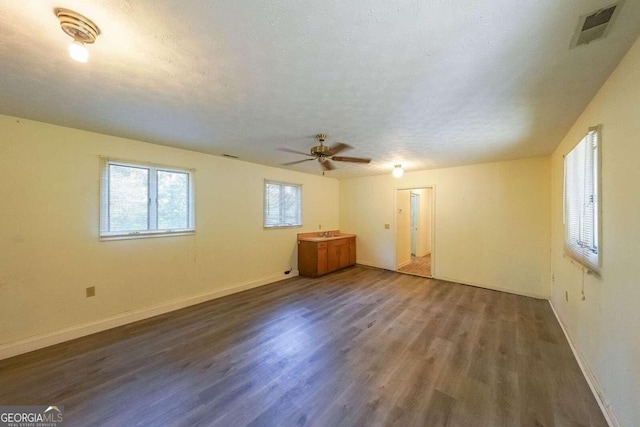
x=324, y=154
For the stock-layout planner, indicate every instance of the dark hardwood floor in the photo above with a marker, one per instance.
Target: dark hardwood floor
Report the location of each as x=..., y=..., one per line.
x=360, y=347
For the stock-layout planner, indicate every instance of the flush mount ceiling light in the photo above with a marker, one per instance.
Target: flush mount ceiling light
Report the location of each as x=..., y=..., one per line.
x=398, y=171
x=81, y=29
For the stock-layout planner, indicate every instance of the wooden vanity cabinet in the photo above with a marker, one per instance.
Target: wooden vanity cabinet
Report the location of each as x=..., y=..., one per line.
x=316, y=258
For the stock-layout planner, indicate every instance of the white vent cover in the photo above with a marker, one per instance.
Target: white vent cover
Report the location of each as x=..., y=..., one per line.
x=596, y=25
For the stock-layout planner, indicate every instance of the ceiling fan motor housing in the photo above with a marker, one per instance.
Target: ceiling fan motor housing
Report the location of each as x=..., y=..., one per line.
x=320, y=150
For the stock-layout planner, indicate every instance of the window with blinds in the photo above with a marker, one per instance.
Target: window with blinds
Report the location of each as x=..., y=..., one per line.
x=282, y=204
x=139, y=200
x=581, y=201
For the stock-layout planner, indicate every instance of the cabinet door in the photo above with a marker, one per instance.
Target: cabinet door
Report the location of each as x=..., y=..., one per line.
x=307, y=262
x=332, y=257
x=322, y=258
x=338, y=254
x=343, y=254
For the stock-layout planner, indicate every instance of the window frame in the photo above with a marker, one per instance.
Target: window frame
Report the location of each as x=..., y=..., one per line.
x=264, y=213
x=152, y=212
x=588, y=262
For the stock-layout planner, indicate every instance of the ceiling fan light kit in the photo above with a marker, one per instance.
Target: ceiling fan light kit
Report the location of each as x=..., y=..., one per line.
x=324, y=154
x=78, y=51
x=81, y=29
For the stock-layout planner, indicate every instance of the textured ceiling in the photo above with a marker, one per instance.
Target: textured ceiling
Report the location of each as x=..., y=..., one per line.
x=423, y=83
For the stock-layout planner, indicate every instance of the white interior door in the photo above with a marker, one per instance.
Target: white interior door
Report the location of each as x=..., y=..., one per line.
x=415, y=215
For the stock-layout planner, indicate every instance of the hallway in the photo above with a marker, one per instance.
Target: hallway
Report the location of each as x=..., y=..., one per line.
x=420, y=266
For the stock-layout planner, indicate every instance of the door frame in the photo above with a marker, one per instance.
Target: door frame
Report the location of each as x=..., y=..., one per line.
x=433, y=223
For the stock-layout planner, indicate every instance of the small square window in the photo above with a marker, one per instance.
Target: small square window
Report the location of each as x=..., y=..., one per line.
x=282, y=204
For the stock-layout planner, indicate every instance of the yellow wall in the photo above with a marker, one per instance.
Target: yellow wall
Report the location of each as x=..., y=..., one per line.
x=492, y=222
x=49, y=234
x=605, y=328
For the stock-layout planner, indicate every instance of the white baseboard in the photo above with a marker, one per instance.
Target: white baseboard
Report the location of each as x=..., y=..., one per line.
x=51, y=338
x=449, y=279
x=594, y=385
x=367, y=263
x=494, y=288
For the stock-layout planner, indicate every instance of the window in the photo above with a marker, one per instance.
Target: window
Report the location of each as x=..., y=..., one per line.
x=282, y=204
x=139, y=200
x=581, y=201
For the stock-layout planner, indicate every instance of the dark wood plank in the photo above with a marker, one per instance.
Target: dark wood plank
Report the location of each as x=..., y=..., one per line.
x=361, y=346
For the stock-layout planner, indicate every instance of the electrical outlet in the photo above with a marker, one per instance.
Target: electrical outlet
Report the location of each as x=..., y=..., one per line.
x=386, y=226
x=566, y=295
x=319, y=226
x=91, y=291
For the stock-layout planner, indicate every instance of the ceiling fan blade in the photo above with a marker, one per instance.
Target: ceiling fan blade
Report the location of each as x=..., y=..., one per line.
x=350, y=159
x=298, y=161
x=327, y=165
x=340, y=146
x=288, y=150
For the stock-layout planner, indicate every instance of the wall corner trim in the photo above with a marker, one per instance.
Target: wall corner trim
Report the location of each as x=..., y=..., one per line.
x=38, y=342
x=594, y=385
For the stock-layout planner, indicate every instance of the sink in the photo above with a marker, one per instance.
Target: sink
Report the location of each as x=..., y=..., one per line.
x=332, y=236
x=318, y=238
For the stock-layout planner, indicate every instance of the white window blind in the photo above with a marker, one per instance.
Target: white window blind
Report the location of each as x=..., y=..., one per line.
x=282, y=204
x=140, y=200
x=581, y=201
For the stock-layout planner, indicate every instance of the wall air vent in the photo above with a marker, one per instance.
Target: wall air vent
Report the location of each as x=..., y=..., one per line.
x=595, y=25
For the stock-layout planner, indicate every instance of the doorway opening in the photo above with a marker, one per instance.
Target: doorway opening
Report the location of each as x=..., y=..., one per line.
x=414, y=231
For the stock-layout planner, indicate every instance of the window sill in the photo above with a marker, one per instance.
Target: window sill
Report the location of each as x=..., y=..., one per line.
x=145, y=235
x=587, y=269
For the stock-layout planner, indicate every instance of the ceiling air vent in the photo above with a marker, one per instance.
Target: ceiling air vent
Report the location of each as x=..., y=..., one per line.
x=595, y=25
